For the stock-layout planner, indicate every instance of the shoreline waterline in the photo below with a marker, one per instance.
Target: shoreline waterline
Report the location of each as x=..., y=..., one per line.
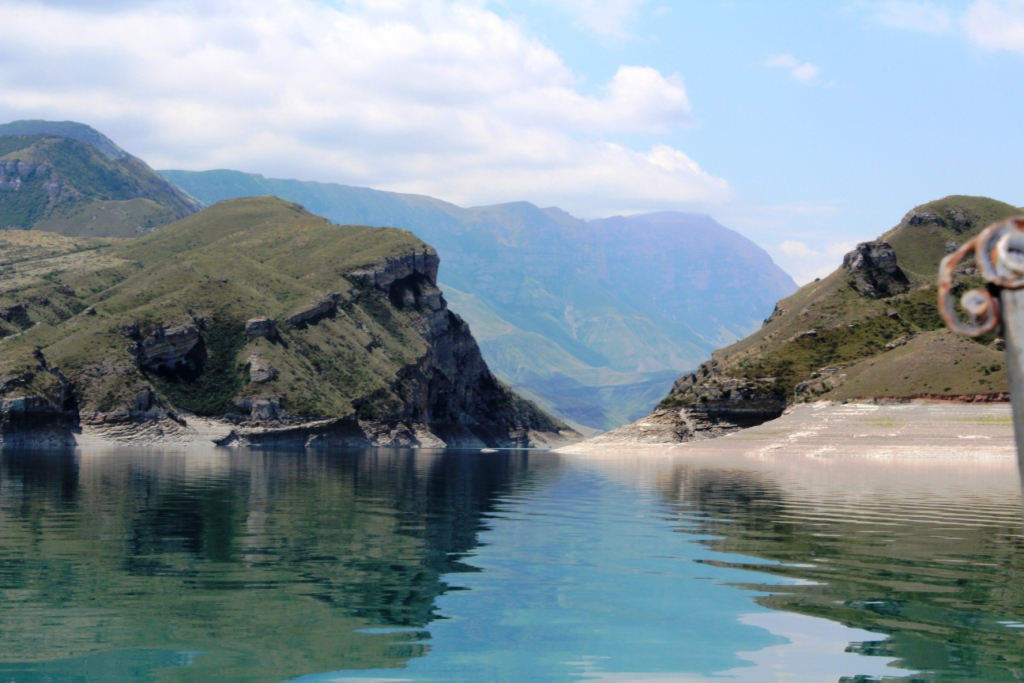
x=916, y=429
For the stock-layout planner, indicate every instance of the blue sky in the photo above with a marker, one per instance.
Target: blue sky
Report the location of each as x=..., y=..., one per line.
x=828, y=120
x=806, y=126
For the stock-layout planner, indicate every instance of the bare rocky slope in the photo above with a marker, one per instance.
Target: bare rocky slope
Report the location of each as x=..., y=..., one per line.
x=253, y=322
x=870, y=330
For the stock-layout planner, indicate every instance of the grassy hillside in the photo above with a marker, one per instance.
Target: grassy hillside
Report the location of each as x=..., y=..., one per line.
x=87, y=303
x=594, y=318
x=869, y=345
x=65, y=185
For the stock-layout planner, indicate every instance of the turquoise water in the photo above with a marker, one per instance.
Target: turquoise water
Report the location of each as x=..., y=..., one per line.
x=515, y=566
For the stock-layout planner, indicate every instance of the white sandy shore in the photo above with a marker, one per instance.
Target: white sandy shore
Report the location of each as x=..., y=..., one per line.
x=919, y=430
x=198, y=433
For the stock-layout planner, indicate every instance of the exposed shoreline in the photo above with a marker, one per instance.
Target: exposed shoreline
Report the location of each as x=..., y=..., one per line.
x=876, y=428
x=191, y=431
x=912, y=429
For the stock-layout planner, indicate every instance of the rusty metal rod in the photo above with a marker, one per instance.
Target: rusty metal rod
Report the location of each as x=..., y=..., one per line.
x=1012, y=301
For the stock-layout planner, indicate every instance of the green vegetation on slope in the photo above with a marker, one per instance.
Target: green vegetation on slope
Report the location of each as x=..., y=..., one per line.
x=202, y=278
x=890, y=346
x=65, y=185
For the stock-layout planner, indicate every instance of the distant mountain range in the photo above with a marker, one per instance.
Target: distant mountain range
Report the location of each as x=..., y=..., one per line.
x=593, y=319
x=66, y=177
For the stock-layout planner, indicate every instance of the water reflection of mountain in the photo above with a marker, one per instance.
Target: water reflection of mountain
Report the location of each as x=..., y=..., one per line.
x=932, y=555
x=271, y=563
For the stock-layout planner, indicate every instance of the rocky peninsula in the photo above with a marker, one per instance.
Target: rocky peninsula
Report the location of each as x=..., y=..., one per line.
x=252, y=323
x=870, y=331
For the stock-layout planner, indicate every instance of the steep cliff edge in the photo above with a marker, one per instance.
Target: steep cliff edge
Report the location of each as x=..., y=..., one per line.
x=263, y=323
x=869, y=330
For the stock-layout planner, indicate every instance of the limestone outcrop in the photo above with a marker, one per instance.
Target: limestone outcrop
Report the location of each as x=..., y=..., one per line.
x=447, y=397
x=255, y=328
x=956, y=217
x=382, y=276
x=321, y=307
x=873, y=270
x=164, y=347
x=37, y=405
x=704, y=405
x=260, y=369
x=822, y=381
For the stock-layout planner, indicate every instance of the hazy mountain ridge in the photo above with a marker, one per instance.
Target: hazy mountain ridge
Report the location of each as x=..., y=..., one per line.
x=65, y=129
x=871, y=329
x=640, y=297
x=69, y=178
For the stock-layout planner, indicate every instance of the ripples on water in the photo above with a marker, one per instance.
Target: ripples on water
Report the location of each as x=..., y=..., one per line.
x=460, y=566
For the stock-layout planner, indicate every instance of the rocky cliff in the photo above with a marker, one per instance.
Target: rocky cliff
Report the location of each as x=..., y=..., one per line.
x=869, y=330
x=180, y=331
x=37, y=404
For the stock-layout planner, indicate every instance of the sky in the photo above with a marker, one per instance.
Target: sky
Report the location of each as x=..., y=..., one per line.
x=805, y=126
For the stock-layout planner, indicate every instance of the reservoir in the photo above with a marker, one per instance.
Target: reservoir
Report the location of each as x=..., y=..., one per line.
x=383, y=566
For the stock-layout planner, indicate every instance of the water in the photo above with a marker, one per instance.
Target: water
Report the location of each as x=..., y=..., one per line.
x=508, y=567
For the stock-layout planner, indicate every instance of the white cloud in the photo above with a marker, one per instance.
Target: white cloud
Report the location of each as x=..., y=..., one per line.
x=436, y=96
x=804, y=72
x=925, y=17
x=806, y=264
x=989, y=24
x=996, y=25
x=606, y=17
x=792, y=248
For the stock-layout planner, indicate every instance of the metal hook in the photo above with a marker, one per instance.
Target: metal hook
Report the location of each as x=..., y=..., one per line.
x=999, y=252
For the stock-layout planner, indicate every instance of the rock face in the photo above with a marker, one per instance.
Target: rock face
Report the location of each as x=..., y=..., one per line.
x=260, y=370
x=822, y=381
x=266, y=328
x=37, y=406
x=323, y=306
x=165, y=347
x=447, y=397
x=956, y=217
x=397, y=268
x=874, y=272
x=704, y=405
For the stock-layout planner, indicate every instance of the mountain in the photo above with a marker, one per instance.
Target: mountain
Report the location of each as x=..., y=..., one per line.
x=871, y=329
x=593, y=319
x=68, y=178
x=65, y=129
x=279, y=326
